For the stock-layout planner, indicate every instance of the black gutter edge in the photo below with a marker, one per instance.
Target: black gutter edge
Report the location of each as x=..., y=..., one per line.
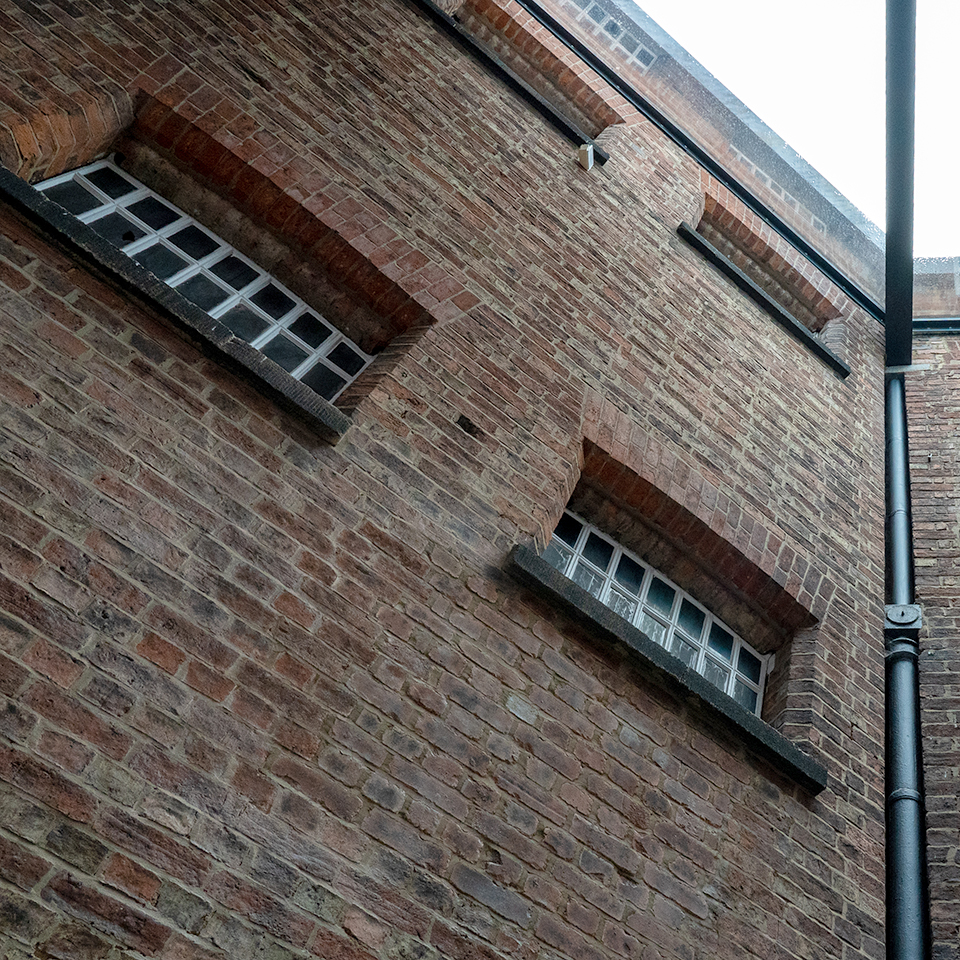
x=666, y=670
x=487, y=58
x=690, y=146
x=216, y=339
x=759, y=296
x=933, y=327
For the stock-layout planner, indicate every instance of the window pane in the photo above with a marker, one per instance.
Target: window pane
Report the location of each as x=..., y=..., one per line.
x=194, y=242
x=111, y=183
x=118, y=230
x=203, y=292
x=73, y=197
x=273, y=301
x=629, y=574
x=244, y=322
x=153, y=213
x=691, y=619
x=234, y=271
x=161, y=261
x=568, y=529
x=588, y=579
x=598, y=551
x=346, y=358
x=660, y=596
x=746, y=697
x=622, y=604
x=284, y=351
x=311, y=329
x=324, y=381
x=654, y=629
x=721, y=642
x=715, y=673
x=749, y=665
x=684, y=650
x=556, y=555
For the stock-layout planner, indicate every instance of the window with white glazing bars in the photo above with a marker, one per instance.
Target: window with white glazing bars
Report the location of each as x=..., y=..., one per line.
x=210, y=273
x=659, y=608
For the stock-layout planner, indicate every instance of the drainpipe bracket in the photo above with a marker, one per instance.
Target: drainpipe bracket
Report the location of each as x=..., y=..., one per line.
x=903, y=619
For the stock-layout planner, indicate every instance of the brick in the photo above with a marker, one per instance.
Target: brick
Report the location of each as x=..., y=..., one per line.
x=20, y=867
x=130, y=926
x=154, y=846
x=46, y=785
x=128, y=876
x=260, y=908
x=319, y=787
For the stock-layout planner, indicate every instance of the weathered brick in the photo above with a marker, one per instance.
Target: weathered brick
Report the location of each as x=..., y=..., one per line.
x=105, y=913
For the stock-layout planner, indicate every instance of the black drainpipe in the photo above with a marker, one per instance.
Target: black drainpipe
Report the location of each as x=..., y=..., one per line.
x=908, y=910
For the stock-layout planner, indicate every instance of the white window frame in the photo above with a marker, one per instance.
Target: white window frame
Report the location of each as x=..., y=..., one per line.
x=318, y=359
x=715, y=652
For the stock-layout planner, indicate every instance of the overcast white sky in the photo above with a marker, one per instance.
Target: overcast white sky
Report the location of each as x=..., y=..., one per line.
x=814, y=72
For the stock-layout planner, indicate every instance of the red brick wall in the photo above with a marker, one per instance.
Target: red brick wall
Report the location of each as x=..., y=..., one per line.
x=934, y=414
x=269, y=694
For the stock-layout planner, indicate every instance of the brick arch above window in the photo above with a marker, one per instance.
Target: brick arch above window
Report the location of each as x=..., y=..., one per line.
x=640, y=471
x=42, y=138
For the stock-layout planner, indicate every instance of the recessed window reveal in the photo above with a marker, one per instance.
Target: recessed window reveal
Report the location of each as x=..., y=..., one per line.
x=211, y=274
x=657, y=606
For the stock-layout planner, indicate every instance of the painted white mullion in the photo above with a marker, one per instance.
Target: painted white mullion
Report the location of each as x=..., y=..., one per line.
x=268, y=334
x=221, y=308
x=189, y=271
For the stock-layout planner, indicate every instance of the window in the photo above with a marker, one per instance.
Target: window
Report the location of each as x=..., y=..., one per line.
x=211, y=274
x=591, y=13
x=659, y=608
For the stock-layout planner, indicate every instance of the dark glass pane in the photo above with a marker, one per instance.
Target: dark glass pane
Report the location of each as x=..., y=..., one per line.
x=749, y=665
x=568, y=529
x=721, y=641
x=598, y=551
x=118, y=230
x=324, y=381
x=244, y=322
x=203, y=292
x=272, y=300
x=310, y=329
x=154, y=213
x=285, y=352
x=194, y=242
x=746, y=697
x=629, y=574
x=691, y=619
x=346, y=358
x=160, y=261
x=234, y=271
x=73, y=197
x=556, y=556
x=660, y=596
x=110, y=182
